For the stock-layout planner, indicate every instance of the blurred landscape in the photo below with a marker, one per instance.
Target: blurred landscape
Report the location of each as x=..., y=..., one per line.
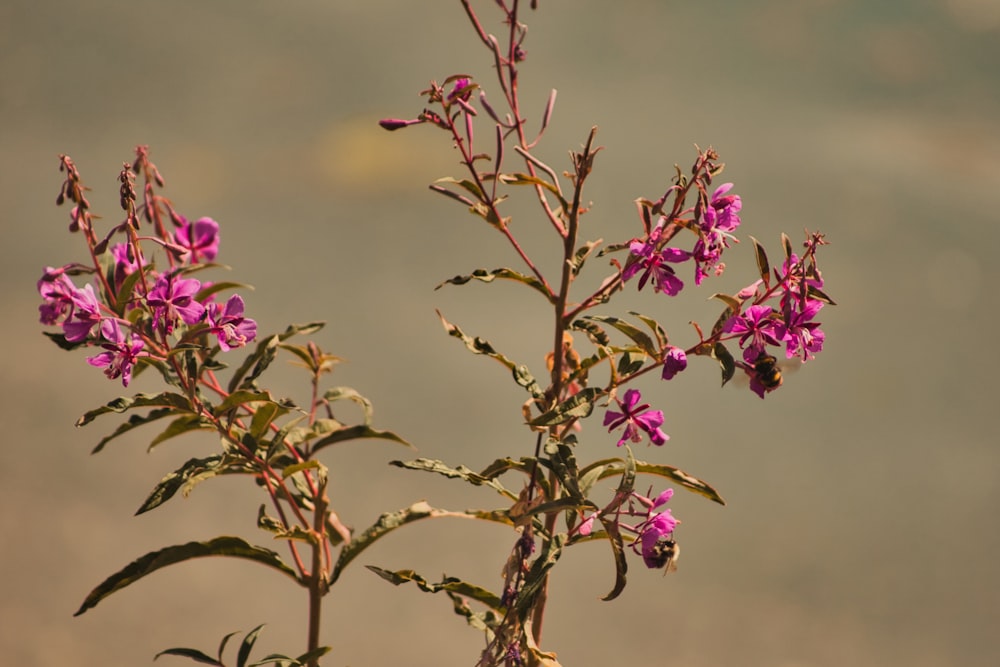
x=861, y=527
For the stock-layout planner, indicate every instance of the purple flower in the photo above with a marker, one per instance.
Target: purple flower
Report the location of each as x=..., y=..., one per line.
x=757, y=326
x=674, y=362
x=719, y=219
x=227, y=322
x=125, y=262
x=86, y=313
x=637, y=418
x=172, y=299
x=461, y=90
x=57, y=292
x=802, y=337
x=658, y=527
x=652, y=261
x=200, y=240
x=121, y=351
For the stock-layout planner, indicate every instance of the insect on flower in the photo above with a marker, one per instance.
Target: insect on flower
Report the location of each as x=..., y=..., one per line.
x=665, y=554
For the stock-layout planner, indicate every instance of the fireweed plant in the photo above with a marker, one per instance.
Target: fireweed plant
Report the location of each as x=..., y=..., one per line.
x=144, y=303
x=141, y=301
x=680, y=239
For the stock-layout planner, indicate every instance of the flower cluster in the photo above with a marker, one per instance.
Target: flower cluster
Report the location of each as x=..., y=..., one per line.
x=653, y=536
x=797, y=288
x=132, y=310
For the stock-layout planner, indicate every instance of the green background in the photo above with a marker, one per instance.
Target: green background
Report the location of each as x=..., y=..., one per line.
x=861, y=527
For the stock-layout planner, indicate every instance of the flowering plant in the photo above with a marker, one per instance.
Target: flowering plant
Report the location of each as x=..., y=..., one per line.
x=144, y=307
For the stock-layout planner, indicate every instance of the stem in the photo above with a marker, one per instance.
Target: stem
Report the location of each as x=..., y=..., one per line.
x=318, y=584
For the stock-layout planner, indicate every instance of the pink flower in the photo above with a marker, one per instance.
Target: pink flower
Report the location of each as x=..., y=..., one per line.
x=637, y=418
x=121, y=351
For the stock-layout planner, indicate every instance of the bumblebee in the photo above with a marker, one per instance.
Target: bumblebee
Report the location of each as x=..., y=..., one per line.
x=767, y=371
x=664, y=555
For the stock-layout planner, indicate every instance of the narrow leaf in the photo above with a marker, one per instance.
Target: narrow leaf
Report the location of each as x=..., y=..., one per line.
x=461, y=472
x=355, y=433
x=193, y=654
x=577, y=406
x=244, y=653
x=449, y=584
x=180, y=426
x=485, y=276
x=172, y=483
x=234, y=547
x=763, y=266
x=134, y=421
x=164, y=400
x=638, y=336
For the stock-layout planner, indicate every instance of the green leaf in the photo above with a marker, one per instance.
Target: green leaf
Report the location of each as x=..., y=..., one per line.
x=461, y=472
x=638, y=336
x=233, y=547
x=167, y=399
x=191, y=653
x=506, y=274
x=661, y=335
x=355, y=433
x=763, y=266
x=449, y=584
x=466, y=184
x=247, y=645
x=180, y=426
x=528, y=179
x=193, y=471
x=618, y=552
x=134, y=421
x=346, y=393
x=477, y=344
x=689, y=482
x=215, y=288
x=390, y=521
x=721, y=354
x=581, y=255
x=577, y=406
x=258, y=361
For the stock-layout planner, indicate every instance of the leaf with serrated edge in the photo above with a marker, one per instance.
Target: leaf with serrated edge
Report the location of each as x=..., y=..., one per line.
x=233, y=547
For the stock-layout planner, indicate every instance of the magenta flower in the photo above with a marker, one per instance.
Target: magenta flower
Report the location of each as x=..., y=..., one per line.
x=758, y=327
x=637, y=418
x=172, y=299
x=675, y=361
x=121, y=351
x=719, y=219
x=657, y=528
x=57, y=292
x=229, y=325
x=85, y=313
x=200, y=240
x=653, y=262
x=802, y=337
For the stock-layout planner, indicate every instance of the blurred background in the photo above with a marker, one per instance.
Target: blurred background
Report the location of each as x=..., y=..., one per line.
x=861, y=527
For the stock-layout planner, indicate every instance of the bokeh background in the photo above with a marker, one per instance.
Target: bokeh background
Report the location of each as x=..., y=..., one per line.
x=861, y=527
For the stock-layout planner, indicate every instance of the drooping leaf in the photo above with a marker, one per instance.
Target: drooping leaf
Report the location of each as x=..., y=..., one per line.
x=721, y=354
x=477, y=345
x=689, y=482
x=238, y=398
x=233, y=547
x=167, y=399
x=528, y=179
x=385, y=524
x=355, y=433
x=256, y=362
x=193, y=654
x=577, y=406
x=347, y=393
x=506, y=274
x=465, y=184
x=618, y=552
x=461, y=472
x=193, y=471
x=134, y=421
x=449, y=584
x=181, y=425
